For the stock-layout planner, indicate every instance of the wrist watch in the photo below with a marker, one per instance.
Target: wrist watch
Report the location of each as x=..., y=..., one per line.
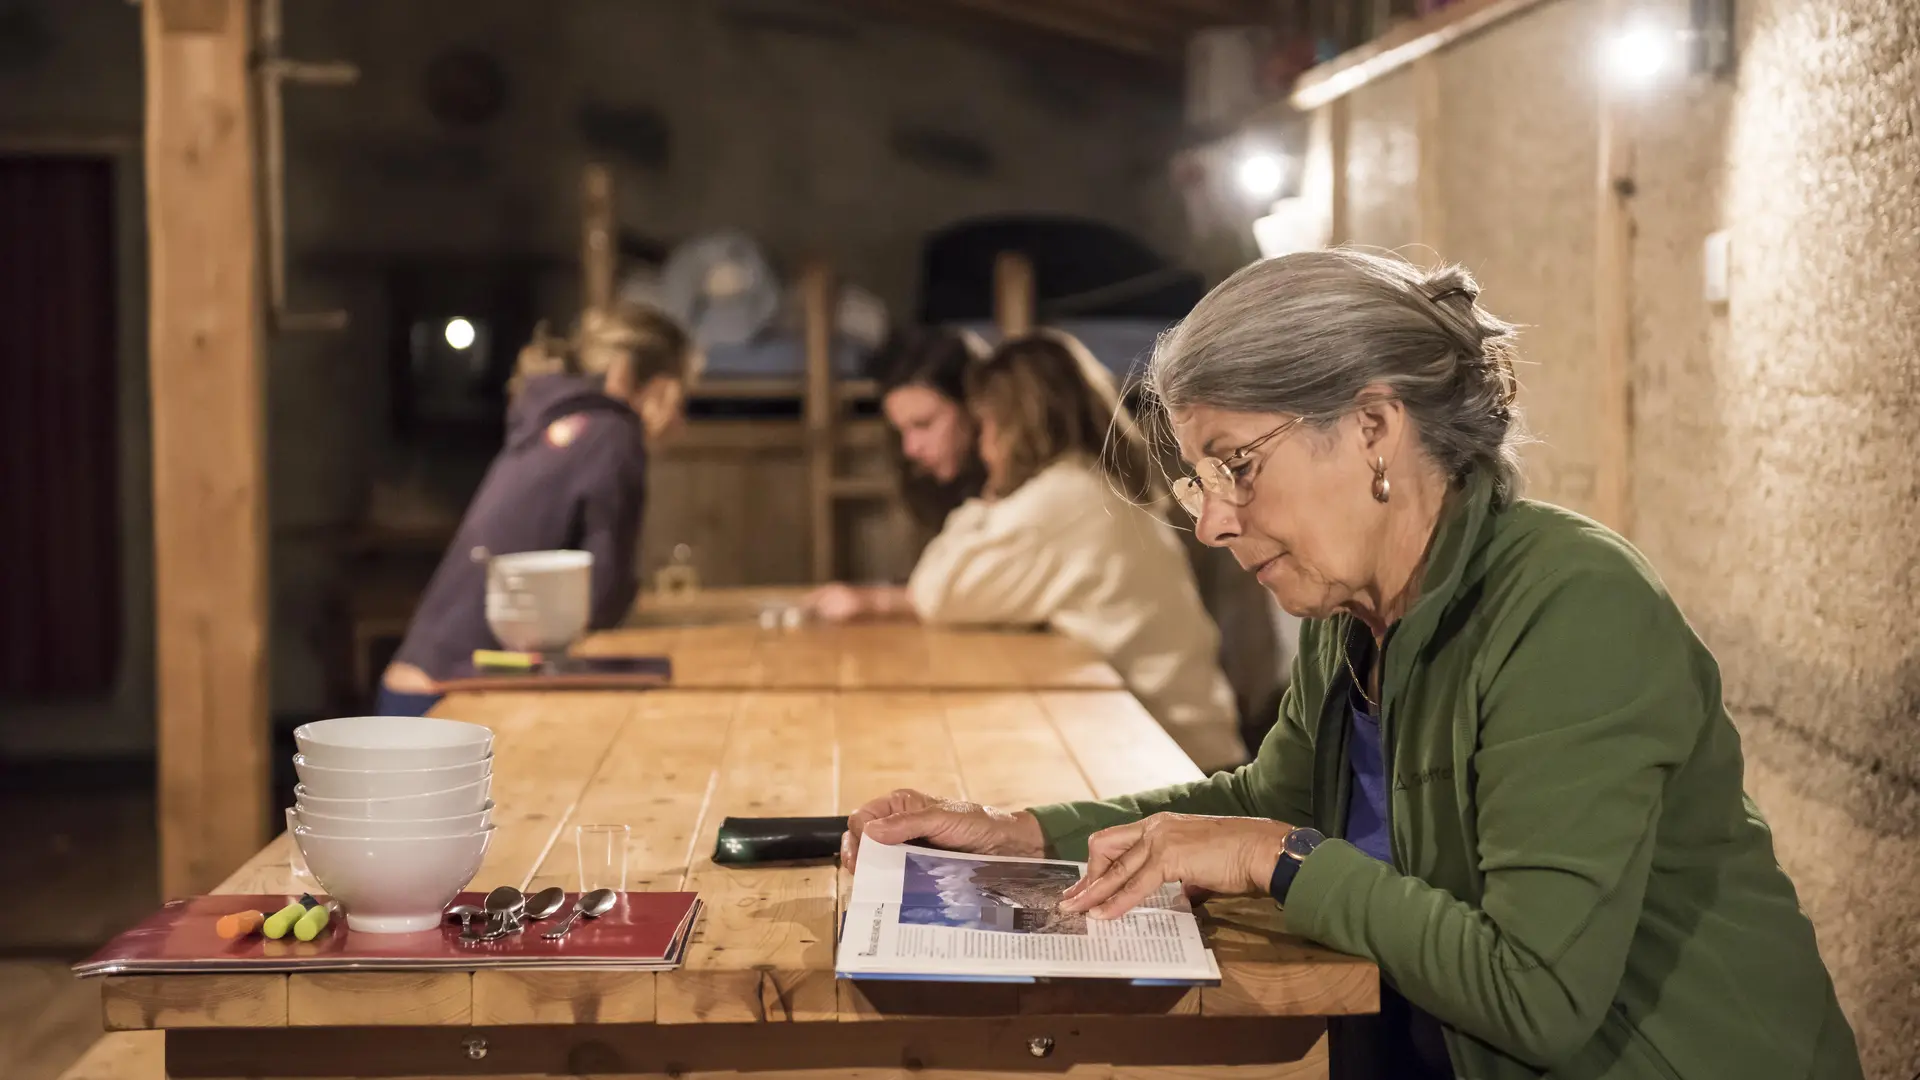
x=1293, y=854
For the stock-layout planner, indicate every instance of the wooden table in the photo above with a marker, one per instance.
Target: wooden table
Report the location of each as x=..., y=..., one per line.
x=716, y=641
x=758, y=991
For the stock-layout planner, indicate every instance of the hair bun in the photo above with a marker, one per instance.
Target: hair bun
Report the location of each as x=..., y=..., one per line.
x=1447, y=282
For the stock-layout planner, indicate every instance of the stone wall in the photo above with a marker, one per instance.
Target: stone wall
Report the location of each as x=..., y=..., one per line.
x=1774, y=471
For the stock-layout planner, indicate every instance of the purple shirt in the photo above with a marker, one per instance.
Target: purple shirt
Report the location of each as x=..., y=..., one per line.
x=1367, y=799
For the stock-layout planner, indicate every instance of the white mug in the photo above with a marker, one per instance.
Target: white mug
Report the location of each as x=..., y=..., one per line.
x=539, y=601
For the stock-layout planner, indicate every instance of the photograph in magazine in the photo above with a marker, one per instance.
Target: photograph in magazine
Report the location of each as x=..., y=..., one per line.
x=922, y=913
x=974, y=894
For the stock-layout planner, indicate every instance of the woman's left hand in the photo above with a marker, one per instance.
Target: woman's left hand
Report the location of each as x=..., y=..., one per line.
x=1228, y=856
x=836, y=603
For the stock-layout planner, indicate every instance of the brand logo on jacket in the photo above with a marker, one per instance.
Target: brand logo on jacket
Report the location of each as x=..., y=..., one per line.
x=1423, y=778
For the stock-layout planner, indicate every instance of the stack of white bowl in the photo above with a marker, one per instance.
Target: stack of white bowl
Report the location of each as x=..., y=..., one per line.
x=392, y=815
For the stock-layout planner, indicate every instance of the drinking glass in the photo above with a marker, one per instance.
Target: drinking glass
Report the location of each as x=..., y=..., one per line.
x=603, y=856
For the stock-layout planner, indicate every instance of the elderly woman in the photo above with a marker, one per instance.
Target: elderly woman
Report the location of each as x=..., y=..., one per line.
x=1503, y=771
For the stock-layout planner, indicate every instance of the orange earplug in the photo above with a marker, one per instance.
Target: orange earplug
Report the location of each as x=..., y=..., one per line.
x=239, y=924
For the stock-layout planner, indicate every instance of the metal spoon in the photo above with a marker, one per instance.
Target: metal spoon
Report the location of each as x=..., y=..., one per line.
x=593, y=905
x=545, y=902
x=504, y=908
x=466, y=913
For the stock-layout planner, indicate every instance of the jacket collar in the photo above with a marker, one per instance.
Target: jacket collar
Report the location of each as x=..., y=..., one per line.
x=1463, y=526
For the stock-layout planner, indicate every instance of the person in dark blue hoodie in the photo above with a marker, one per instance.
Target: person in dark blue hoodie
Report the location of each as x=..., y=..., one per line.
x=571, y=475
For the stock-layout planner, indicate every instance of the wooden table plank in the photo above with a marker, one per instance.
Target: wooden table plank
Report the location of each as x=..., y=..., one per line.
x=1117, y=744
x=890, y=741
x=141, y=1002
x=656, y=779
x=893, y=655
x=1009, y=755
x=547, y=748
x=764, y=951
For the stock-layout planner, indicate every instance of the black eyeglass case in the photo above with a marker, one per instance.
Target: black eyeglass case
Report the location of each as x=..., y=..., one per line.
x=747, y=841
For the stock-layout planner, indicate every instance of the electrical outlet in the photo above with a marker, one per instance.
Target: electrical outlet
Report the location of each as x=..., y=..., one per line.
x=1717, y=264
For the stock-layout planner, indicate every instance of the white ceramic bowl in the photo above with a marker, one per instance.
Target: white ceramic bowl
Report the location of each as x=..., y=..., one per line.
x=539, y=601
x=391, y=885
x=465, y=799
x=327, y=825
x=386, y=783
x=391, y=742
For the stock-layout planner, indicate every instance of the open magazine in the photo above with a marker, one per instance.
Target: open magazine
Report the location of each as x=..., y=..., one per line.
x=917, y=913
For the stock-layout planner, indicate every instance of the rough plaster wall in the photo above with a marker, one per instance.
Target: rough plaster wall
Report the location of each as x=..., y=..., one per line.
x=1383, y=165
x=1519, y=117
x=1775, y=469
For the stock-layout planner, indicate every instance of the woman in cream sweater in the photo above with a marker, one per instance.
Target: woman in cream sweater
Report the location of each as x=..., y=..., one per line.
x=1059, y=538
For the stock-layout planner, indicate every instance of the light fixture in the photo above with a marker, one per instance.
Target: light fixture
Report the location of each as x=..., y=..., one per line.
x=460, y=334
x=1639, y=53
x=1261, y=173
x=1712, y=37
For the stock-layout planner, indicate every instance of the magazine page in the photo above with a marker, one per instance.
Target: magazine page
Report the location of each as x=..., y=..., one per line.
x=919, y=912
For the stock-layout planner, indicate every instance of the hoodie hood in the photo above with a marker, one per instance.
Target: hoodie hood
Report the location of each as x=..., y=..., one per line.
x=547, y=398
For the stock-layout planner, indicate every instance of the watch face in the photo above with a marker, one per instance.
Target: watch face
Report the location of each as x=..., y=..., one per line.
x=1301, y=842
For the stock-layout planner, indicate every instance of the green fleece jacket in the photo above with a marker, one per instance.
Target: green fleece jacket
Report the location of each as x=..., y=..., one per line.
x=1579, y=886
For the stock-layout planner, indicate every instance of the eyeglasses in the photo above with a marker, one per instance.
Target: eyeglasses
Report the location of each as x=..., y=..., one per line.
x=1228, y=479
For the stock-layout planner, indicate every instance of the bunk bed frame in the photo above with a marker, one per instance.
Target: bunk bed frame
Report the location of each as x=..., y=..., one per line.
x=844, y=456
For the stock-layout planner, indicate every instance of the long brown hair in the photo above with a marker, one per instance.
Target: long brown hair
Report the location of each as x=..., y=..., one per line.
x=640, y=341
x=1049, y=398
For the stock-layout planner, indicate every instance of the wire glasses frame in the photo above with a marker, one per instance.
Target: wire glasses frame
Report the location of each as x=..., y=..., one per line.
x=1226, y=479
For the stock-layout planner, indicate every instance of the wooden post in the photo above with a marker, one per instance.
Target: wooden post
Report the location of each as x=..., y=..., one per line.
x=822, y=411
x=597, y=251
x=1613, y=316
x=209, y=497
x=1013, y=299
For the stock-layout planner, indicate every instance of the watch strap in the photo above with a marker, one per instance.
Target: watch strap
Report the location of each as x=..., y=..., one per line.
x=1292, y=858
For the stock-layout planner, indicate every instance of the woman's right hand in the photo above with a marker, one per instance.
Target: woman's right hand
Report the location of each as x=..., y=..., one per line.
x=906, y=815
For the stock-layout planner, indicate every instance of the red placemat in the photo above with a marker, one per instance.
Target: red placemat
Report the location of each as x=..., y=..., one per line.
x=644, y=931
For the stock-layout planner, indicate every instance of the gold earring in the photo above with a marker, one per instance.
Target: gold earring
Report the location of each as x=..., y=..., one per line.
x=1381, y=488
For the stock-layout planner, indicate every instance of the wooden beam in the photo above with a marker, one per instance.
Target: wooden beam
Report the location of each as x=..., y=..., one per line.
x=209, y=483
x=1203, y=13
x=822, y=413
x=1139, y=20
x=1090, y=28
x=1399, y=47
x=1613, y=310
x=1070, y=57
x=597, y=251
x=1013, y=294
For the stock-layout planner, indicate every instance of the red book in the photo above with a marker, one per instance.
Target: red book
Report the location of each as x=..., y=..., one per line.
x=645, y=931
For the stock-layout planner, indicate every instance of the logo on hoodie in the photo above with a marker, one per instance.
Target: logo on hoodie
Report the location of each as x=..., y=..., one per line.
x=562, y=432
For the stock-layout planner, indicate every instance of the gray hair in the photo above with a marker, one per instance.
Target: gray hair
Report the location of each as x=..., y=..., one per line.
x=1304, y=334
